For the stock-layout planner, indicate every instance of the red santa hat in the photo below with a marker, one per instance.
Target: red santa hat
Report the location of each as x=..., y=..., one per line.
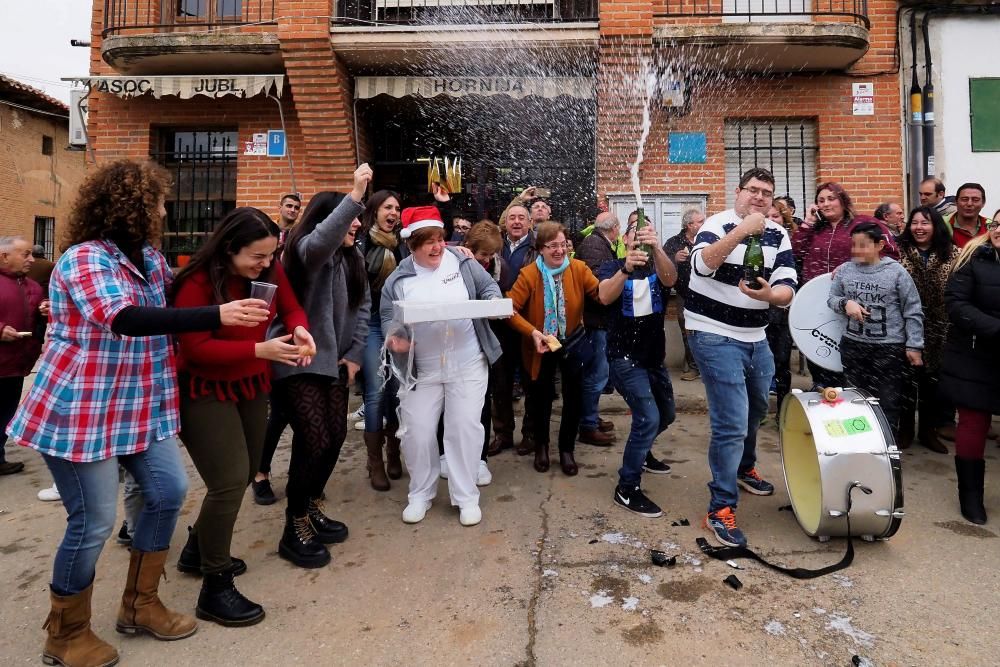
x=418, y=217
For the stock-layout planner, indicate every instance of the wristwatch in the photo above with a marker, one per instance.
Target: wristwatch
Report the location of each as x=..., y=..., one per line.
x=626, y=271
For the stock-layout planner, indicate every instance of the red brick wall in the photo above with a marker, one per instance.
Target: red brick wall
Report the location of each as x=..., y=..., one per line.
x=317, y=104
x=864, y=153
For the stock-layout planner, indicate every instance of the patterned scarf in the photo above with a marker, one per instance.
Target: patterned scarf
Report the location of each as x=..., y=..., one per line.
x=381, y=266
x=555, y=298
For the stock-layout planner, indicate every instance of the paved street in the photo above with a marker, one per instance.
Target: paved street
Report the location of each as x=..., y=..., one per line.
x=556, y=574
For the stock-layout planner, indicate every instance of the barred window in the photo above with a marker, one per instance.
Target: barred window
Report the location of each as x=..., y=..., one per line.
x=785, y=147
x=202, y=165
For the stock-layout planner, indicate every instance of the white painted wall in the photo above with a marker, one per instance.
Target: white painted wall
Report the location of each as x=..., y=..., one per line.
x=961, y=48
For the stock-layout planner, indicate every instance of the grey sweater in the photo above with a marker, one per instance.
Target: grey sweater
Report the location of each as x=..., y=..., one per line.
x=339, y=332
x=887, y=291
x=478, y=282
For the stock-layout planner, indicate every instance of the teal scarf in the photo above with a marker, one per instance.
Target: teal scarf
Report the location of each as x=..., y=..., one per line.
x=555, y=298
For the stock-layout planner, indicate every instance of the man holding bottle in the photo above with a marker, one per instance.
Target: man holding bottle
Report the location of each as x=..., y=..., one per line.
x=727, y=317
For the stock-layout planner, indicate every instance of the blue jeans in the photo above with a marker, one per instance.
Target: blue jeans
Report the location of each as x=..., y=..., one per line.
x=379, y=404
x=650, y=396
x=737, y=377
x=595, y=377
x=90, y=495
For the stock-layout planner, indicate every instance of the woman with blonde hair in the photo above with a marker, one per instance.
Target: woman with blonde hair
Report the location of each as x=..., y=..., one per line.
x=970, y=369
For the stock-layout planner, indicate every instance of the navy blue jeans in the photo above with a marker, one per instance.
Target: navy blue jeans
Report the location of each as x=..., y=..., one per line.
x=650, y=396
x=89, y=493
x=737, y=377
x=595, y=377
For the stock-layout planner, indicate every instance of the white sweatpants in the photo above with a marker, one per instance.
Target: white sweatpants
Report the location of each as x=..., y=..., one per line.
x=460, y=394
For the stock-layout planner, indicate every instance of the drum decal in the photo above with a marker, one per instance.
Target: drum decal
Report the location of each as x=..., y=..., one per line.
x=839, y=428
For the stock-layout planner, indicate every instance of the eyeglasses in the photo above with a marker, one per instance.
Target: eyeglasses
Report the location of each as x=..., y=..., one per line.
x=993, y=225
x=759, y=192
x=556, y=246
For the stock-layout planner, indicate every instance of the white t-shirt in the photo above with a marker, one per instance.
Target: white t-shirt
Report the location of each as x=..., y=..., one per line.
x=448, y=344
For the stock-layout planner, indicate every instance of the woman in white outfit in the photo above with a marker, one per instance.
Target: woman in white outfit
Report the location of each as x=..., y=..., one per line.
x=451, y=359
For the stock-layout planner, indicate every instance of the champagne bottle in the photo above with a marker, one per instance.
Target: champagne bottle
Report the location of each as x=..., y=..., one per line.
x=753, y=263
x=639, y=224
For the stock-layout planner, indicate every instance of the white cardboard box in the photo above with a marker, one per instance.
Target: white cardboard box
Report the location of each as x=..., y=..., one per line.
x=409, y=312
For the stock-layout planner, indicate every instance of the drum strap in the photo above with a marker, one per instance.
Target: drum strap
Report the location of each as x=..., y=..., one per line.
x=730, y=553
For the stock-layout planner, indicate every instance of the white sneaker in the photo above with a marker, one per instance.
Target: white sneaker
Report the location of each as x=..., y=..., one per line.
x=359, y=426
x=444, y=467
x=415, y=512
x=484, y=476
x=470, y=516
x=357, y=414
x=50, y=494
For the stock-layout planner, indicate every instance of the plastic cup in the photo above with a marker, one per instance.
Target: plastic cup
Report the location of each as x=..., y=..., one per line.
x=262, y=291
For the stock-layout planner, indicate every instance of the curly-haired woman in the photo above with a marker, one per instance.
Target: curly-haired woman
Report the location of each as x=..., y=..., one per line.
x=106, y=394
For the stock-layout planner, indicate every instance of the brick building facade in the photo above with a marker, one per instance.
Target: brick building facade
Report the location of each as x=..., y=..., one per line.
x=39, y=174
x=772, y=85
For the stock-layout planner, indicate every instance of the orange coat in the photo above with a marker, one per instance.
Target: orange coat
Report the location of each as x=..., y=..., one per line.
x=528, y=295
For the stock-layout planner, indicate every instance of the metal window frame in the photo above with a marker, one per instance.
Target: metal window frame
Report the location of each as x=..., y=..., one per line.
x=756, y=151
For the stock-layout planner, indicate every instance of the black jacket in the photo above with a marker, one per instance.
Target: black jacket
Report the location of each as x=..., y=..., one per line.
x=594, y=251
x=970, y=369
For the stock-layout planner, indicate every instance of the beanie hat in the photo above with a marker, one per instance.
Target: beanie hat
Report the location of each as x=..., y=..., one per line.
x=418, y=217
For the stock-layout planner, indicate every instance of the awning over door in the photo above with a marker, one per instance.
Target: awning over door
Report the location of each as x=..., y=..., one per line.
x=367, y=87
x=185, y=87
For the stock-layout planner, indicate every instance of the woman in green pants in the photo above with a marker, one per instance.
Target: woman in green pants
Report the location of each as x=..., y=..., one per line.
x=224, y=382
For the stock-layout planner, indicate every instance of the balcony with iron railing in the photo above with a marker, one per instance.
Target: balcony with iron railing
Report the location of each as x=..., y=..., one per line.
x=766, y=35
x=472, y=36
x=174, y=36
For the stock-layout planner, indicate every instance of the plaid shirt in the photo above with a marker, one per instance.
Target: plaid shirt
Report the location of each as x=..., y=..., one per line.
x=98, y=394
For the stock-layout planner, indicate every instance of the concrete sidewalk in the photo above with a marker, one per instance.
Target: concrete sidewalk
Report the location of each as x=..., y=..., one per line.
x=556, y=574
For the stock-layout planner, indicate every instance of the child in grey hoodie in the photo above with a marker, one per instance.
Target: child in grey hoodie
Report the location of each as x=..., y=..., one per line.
x=885, y=329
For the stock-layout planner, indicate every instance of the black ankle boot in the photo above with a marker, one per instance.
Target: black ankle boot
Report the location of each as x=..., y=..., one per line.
x=328, y=531
x=189, y=561
x=299, y=545
x=971, y=473
x=221, y=603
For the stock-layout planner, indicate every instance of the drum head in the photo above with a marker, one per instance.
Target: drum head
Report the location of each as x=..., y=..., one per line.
x=816, y=329
x=801, y=465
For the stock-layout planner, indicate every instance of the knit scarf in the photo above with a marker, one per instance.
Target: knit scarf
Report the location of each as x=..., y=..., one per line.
x=555, y=298
x=381, y=270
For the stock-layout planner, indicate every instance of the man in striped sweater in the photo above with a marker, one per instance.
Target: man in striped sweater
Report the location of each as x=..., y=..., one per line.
x=727, y=320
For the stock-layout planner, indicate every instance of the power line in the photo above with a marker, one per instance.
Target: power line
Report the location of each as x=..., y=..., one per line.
x=33, y=110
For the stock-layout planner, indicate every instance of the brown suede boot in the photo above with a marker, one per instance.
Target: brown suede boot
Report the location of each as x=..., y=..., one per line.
x=71, y=642
x=142, y=610
x=393, y=466
x=376, y=468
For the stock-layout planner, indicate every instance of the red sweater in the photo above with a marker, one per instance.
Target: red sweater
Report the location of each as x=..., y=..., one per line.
x=224, y=360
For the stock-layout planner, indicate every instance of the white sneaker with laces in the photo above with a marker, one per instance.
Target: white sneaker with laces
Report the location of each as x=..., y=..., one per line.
x=444, y=467
x=415, y=512
x=484, y=476
x=50, y=494
x=470, y=516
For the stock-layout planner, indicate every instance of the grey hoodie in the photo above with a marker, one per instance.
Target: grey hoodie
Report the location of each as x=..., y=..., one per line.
x=478, y=282
x=887, y=291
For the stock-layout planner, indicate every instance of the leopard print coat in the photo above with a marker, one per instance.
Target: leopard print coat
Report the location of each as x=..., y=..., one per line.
x=930, y=277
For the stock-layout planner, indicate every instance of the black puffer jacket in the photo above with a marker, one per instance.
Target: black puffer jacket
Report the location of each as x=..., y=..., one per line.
x=970, y=372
